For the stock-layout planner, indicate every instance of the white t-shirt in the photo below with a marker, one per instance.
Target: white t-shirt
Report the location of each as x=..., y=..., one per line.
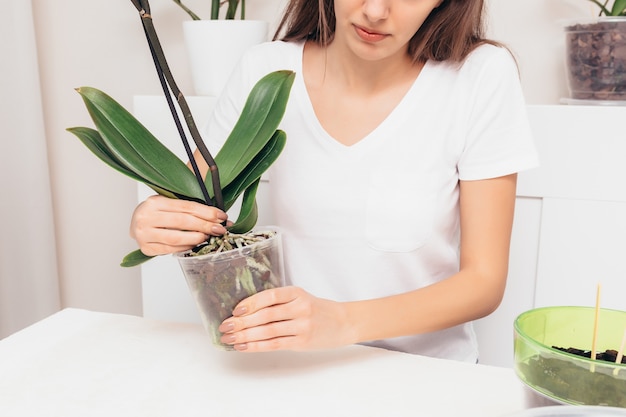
x=381, y=217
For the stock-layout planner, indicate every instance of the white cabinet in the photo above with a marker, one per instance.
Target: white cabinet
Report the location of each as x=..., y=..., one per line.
x=570, y=226
x=568, y=236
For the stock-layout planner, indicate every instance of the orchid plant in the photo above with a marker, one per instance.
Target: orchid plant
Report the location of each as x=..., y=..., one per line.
x=216, y=5
x=617, y=9
x=123, y=143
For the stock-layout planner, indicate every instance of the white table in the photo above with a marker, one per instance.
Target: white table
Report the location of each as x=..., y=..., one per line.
x=82, y=363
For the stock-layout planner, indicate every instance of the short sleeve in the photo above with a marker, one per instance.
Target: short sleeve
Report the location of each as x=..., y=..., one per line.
x=498, y=135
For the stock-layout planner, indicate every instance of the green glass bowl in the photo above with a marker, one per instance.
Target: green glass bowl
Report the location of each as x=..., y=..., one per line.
x=572, y=411
x=564, y=377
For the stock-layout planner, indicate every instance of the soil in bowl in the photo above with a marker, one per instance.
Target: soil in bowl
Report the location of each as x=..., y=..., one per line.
x=568, y=380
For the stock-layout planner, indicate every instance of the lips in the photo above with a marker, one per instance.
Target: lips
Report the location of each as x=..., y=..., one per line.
x=369, y=35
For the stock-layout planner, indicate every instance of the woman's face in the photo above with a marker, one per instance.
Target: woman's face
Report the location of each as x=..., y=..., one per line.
x=378, y=29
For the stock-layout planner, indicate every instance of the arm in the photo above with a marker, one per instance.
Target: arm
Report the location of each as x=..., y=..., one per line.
x=475, y=291
x=290, y=318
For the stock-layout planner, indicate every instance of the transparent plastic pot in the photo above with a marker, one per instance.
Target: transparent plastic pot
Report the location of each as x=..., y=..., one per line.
x=595, y=59
x=219, y=281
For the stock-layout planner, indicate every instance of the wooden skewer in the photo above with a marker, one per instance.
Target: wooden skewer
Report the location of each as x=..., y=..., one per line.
x=620, y=354
x=594, y=343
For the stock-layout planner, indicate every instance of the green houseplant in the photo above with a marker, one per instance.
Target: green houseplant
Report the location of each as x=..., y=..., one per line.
x=618, y=8
x=225, y=269
x=216, y=5
x=596, y=55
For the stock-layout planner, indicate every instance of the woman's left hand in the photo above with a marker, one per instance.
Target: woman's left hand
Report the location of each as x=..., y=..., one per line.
x=286, y=318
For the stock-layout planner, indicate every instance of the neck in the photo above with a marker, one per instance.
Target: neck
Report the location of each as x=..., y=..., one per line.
x=337, y=63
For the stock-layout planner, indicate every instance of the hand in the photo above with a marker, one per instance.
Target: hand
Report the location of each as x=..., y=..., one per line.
x=163, y=225
x=286, y=318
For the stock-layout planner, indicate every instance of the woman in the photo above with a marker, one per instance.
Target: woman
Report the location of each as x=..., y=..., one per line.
x=396, y=188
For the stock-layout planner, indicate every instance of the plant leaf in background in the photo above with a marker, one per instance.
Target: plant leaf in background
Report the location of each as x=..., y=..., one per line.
x=123, y=143
x=618, y=8
x=231, y=11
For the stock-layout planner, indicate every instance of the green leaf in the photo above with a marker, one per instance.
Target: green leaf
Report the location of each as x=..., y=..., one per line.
x=603, y=9
x=257, y=123
x=619, y=7
x=93, y=141
x=125, y=144
x=249, y=212
x=255, y=168
x=135, y=258
x=137, y=149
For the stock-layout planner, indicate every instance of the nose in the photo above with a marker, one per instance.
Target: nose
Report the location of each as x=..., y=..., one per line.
x=376, y=10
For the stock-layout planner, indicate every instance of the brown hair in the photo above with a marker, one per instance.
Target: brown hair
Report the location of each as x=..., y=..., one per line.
x=450, y=32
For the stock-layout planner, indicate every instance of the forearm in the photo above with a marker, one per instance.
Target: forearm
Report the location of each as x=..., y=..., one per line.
x=463, y=297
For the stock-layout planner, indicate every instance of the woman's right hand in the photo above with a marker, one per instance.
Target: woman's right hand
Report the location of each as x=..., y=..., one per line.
x=163, y=225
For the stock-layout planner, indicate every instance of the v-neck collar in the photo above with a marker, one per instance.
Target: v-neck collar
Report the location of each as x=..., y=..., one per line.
x=398, y=111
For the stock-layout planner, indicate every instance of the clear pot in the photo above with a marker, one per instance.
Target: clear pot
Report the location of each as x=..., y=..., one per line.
x=219, y=281
x=596, y=59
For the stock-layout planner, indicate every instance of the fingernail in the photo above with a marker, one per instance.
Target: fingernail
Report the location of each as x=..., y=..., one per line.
x=227, y=327
x=240, y=311
x=228, y=339
x=216, y=228
x=241, y=346
x=222, y=216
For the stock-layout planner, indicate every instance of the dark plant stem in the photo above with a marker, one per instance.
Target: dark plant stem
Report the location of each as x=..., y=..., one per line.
x=179, y=127
x=168, y=83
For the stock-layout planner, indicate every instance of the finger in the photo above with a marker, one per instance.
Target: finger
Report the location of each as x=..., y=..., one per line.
x=271, y=336
x=279, y=343
x=266, y=298
x=168, y=206
x=156, y=249
x=147, y=222
x=164, y=241
x=268, y=315
x=202, y=211
x=188, y=222
x=175, y=238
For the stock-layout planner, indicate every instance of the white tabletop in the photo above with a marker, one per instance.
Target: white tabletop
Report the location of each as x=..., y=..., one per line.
x=83, y=363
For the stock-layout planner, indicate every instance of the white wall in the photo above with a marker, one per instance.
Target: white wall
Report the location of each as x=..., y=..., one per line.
x=100, y=43
x=532, y=28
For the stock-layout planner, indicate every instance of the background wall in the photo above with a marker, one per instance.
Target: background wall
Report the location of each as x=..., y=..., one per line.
x=100, y=43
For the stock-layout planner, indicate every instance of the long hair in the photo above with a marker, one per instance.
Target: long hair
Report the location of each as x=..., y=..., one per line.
x=450, y=32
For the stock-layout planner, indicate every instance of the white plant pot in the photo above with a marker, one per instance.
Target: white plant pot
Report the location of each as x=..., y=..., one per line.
x=214, y=47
